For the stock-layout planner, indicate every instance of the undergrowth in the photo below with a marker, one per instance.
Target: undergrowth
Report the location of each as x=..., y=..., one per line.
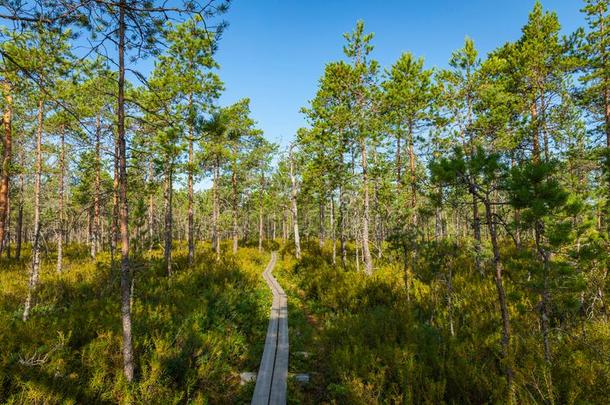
x=193, y=332
x=372, y=344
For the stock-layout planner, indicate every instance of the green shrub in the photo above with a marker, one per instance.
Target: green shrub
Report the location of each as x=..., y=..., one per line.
x=193, y=332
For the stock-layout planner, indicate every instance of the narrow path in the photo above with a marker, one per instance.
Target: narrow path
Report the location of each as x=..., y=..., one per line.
x=273, y=371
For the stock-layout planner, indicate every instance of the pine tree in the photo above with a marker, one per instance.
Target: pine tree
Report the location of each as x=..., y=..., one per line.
x=408, y=93
x=190, y=58
x=364, y=91
x=460, y=85
x=595, y=53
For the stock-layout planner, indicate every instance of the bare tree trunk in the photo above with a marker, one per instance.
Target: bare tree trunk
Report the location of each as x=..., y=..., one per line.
x=62, y=169
x=123, y=211
x=90, y=237
x=261, y=231
x=215, y=211
x=284, y=225
x=413, y=181
x=366, y=253
x=234, y=207
x=545, y=136
x=332, y=227
x=293, y=208
x=322, y=219
x=19, y=227
x=191, y=212
x=97, y=245
x=151, y=208
x=357, y=255
x=342, y=220
x=398, y=161
x=377, y=225
x=413, y=175
x=501, y=299
x=167, y=198
x=9, y=213
x=535, y=132
x=476, y=226
x=114, y=229
x=7, y=142
x=606, y=95
x=33, y=283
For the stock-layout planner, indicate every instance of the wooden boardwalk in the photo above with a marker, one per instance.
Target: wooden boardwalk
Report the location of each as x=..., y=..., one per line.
x=273, y=371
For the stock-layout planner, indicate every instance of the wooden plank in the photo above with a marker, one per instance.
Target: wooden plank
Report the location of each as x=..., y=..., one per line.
x=280, y=372
x=265, y=371
x=271, y=381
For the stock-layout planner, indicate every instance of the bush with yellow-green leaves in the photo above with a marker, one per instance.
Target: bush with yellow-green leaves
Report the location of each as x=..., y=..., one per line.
x=193, y=332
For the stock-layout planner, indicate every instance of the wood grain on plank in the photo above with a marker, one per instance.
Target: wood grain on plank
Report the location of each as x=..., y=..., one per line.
x=272, y=376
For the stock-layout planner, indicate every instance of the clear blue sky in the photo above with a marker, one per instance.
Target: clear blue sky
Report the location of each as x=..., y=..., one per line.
x=274, y=51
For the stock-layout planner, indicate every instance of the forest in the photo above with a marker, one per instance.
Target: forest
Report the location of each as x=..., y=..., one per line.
x=442, y=234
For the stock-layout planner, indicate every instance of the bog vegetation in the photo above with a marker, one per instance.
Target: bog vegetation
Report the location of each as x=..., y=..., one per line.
x=443, y=233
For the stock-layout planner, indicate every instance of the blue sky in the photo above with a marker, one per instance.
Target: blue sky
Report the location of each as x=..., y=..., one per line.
x=274, y=51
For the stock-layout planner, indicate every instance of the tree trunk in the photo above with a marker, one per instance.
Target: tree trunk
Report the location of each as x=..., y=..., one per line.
x=191, y=167
x=516, y=218
x=501, y=299
x=9, y=213
x=293, y=208
x=366, y=253
x=215, y=211
x=413, y=176
x=114, y=229
x=90, y=237
x=261, y=231
x=476, y=221
x=97, y=245
x=606, y=95
x=322, y=219
x=398, y=161
x=7, y=141
x=413, y=182
x=332, y=228
x=123, y=211
x=19, y=227
x=169, y=224
x=234, y=207
x=545, y=135
x=377, y=225
x=62, y=168
x=476, y=227
x=342, y=227
x=535, y=133
x=357, y=256
x=151, y=208
x=284, y=225
x=33, y=283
